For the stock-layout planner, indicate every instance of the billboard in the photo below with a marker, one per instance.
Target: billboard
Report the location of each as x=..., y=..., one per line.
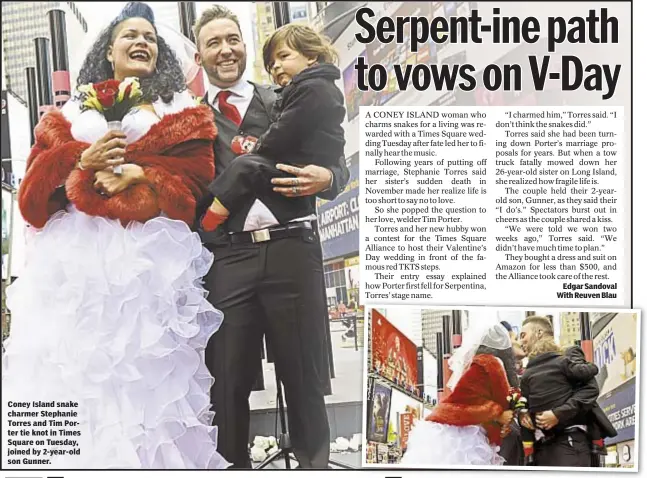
x=483, y=97
x=354, y=97
x=378, y=419
x=339, y=219
x=405, y=411
x=614, y=352
x=5, y=136
x=406, y=423
x=397, y=53
x=393, y=355
x=620, y=407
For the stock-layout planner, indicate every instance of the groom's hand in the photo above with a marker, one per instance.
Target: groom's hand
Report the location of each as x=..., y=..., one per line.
x=547, y=420
x=308, y=180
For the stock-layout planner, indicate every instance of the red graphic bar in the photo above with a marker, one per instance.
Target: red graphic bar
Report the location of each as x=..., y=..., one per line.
x=61, y=81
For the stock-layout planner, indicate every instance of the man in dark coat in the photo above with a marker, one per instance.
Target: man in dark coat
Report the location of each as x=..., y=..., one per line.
x=267, y=277
x=512, y=448
x=559, y=406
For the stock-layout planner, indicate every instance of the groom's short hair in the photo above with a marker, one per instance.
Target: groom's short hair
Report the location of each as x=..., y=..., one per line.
x=543, y=323
x=213, y=13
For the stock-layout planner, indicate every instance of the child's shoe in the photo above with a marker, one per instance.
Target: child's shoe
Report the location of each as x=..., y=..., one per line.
x=529, y=460
x=598, y=448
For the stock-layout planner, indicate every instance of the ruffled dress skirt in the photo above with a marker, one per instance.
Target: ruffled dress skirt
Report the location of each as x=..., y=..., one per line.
x=433, y=444
x=115, y=319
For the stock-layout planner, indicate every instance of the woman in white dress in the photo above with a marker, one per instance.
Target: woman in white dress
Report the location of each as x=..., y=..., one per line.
x=109, y=312
x=467, y=427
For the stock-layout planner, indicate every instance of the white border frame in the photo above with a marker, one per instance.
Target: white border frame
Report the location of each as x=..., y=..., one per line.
x=538, y=310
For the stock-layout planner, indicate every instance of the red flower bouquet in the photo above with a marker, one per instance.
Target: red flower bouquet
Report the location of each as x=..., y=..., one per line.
x=517, y=402
x=112, y=98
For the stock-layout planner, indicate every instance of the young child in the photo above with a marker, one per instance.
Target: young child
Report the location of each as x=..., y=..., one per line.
x=579, y=371
x=307, y=129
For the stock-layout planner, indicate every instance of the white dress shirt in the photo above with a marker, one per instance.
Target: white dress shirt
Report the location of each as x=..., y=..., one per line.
x=259, y=216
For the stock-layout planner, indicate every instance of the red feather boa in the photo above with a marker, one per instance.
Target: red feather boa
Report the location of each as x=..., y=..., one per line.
x=176, y=155
x=479, y=398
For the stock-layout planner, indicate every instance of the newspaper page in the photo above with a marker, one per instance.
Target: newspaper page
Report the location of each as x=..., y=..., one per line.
x=389, y=237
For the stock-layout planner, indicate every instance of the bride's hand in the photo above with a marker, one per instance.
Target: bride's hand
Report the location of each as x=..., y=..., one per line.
x=110, y=184
x=505, y=418
x=105, y=152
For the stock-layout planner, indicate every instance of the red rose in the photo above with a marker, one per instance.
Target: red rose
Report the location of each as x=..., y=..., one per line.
x=128, y=90
x=106, y=98
x=107, y=92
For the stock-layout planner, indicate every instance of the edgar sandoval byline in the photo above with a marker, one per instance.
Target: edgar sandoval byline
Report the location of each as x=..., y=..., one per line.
x=569, y=286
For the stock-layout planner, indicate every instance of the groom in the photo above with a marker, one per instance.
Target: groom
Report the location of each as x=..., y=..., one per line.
x=267, y=277
x=561, y=405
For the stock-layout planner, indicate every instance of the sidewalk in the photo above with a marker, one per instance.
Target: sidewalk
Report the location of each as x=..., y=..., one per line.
x=347, y=385
x=345, y=406
x=353, y=459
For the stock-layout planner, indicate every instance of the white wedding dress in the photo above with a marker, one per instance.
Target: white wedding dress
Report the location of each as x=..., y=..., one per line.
x=116, y=319
x=433, y=444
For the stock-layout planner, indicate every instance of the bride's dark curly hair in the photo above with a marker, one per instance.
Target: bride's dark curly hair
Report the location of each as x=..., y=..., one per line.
x=167, y=78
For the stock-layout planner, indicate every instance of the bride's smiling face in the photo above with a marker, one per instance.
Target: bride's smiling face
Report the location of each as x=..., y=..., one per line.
x=134, y=49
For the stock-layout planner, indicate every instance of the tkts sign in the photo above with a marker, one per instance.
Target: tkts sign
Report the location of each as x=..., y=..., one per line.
x=406, y=424
x=5, y=137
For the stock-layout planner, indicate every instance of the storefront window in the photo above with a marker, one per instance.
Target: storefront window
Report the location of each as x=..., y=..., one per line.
x=335, y=287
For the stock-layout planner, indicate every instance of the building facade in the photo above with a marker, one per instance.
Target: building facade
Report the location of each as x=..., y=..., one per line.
x=432, y=322
x=569, y=329
x=263, y=18
x=24, y=21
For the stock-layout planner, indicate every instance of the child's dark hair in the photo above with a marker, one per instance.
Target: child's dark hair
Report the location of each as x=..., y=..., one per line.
x=300, y=38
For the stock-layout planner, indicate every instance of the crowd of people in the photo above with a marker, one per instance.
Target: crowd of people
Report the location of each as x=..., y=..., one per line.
x=476, y=424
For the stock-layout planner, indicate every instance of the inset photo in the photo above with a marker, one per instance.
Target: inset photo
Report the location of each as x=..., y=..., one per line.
x=479, y=387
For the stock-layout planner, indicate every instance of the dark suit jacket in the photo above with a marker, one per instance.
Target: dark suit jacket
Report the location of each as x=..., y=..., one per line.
x=563, y=384
x=547, y=387
x=309, y=114
x=583, y=371
x=256, y=122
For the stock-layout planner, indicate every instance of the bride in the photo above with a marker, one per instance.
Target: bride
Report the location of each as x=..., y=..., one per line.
x=467, y=427
x=109, y=315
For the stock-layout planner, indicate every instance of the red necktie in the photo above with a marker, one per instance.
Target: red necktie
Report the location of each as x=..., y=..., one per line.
x=229, y=110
